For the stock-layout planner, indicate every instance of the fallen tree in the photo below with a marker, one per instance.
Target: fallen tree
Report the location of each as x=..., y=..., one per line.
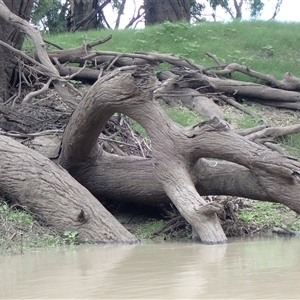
x=180, y=168
x=43, y=188
x=177, y=154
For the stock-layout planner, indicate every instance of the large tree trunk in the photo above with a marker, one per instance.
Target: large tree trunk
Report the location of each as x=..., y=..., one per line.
x=132, y=94
x=14, y=37
x=86, y=14
x=176, y=170
x=159, y=11
x=54, y=197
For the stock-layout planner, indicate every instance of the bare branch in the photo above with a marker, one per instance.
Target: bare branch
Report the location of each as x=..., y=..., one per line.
x=31, y=95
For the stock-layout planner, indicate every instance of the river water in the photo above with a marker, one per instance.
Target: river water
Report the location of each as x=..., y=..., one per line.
x=249, y=268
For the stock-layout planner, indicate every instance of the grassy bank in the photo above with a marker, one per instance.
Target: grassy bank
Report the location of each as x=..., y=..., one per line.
x=266, y=47
x=20, y=232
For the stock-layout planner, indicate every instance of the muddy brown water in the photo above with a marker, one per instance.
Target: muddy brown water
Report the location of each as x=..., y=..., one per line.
x=252, y=268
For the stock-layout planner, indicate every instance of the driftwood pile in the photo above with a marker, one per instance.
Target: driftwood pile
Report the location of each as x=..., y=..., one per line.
x=175, y=168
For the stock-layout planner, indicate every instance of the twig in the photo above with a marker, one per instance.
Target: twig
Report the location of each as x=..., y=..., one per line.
x=21, y=53
x=215, y=58
x=245, y=132
x=69, y=77
x=53, y=44
x=45, y=87
x=23, y=135
x=113, y=62
x=114, y=141
x=275, y=132
x=239, y=106
x=276, y=148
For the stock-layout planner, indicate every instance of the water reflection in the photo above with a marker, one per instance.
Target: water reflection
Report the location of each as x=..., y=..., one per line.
x=249, y=268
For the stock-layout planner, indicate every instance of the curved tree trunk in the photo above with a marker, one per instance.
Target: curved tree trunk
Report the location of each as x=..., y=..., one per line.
x=14, y=37
x=131, y=93
x=157, y=11
x=54, y=197
x=176, y=169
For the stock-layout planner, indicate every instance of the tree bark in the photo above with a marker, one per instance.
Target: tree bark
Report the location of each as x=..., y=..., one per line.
x=157, y=11
x=238, y=9
x=86, y=14
x=176, y=169
x=120, y=92
x=54, y=197
x=14, y=37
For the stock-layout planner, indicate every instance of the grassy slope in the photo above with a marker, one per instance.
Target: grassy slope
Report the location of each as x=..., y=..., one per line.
x=241, y=42
x=247, y=43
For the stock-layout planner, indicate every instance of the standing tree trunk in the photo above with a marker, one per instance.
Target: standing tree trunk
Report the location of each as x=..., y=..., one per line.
x=14, y=37
x=238, y=8
x=86, y=14
x=159, y=11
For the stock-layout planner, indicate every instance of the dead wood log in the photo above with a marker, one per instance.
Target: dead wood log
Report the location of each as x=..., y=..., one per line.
x=121, y=92
x=174, y=169
x=289, y=81
x=274, y=132
x=248, y=90
x=280, y=94
x=189, y=97
x=12, y=120
x=46, y=190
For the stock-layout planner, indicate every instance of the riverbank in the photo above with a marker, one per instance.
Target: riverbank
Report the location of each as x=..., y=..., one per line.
x=269, y=48
x=21, y=233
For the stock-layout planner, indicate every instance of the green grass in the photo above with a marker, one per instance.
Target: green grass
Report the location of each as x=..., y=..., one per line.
x=183, y=116
x=242, y=42
x=270, y=214
x=19, y=232
x=180, y=115
x=291, y=143
x=146, y=230
x=249, y=122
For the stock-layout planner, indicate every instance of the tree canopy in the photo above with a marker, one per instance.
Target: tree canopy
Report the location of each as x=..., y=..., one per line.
x=55, y=16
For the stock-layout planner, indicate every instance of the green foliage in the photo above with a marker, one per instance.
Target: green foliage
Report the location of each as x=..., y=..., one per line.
x=196, y=8
x=146, y=230
x=50, y=16
x=255, y=6
x=179, y=115
x=70, y=237
x=20, y=232
x=291, y=143
x=215, y=3
x=75, y=82
x=249, y=122
x=19, y=217
x=140, y=129
x=270, y=214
